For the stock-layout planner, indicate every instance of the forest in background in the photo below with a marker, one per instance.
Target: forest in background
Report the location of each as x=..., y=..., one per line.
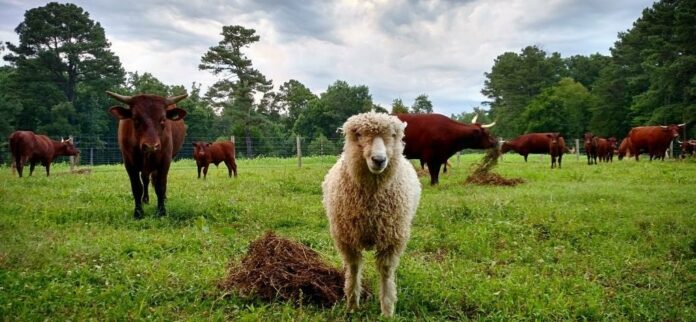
x=55, y=79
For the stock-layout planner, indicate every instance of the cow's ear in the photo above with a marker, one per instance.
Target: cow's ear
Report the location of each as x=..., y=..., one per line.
x=207, y=144
x=176, y=114
x=120, y=112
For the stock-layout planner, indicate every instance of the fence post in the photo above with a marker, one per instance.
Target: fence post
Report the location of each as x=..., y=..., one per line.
x=577, y=149
x=671, y=149
x=299, y=152
x=459, y=153
x=72, y=158
x=91, y=156
x=232, y=139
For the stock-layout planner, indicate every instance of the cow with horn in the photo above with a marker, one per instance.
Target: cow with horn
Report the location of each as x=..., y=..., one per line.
x=434, y=138
x=150, y=132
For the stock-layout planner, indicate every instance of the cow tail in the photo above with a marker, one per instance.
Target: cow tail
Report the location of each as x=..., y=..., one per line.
x=16, y=154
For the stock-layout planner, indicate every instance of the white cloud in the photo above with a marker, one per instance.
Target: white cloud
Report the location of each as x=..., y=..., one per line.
x=398, y=48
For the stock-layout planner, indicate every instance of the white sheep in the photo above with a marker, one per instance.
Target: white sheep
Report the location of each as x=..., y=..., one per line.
x=370, y=196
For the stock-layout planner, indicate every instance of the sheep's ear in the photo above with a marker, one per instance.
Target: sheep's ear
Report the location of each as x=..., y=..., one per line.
x=339, y=130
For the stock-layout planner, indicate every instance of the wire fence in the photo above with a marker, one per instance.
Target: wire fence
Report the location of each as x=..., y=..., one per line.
x=105, y=150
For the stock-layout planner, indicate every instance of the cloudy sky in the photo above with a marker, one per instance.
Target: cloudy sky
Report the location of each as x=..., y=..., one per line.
x=399, y=49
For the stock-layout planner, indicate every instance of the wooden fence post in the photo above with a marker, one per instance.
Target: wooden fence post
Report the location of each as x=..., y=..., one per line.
x=671, y=150
x=91, y=156
x=232, y=139
x=577, y=149
x=72, y=158
x=299, y=152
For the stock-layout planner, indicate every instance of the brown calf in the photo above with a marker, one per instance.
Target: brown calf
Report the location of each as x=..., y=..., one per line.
x=206, y=153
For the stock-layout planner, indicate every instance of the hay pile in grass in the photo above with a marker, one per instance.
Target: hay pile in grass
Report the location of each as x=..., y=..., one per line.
x=482, y=174
x=278, y=268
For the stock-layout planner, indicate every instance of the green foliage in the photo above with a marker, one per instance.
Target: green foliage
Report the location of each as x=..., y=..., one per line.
x=327, y=113
x=566, y=245
x=514, y=81
x=564, y=107
x=62, y=58
x=294, y=97
x=398, y=106
x=422, y=104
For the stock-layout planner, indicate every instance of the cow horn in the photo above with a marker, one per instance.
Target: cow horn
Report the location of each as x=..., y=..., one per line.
x=120, y=98
x=680, y=125
x=663, y=126
x=680, y=142
x=174, y=99
x=485, y=126
x=473, y=121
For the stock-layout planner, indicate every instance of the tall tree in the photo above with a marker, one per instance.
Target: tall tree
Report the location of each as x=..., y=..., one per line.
x=294, y=98
x=422, y=104
x=514, y=81
x=562, y=108
x=338, y=103
x=240, y=81
x=62, y=51
x=586, y=69
x=398, y=106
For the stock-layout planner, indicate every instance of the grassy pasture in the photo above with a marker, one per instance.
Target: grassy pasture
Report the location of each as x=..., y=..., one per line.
x=608, y=242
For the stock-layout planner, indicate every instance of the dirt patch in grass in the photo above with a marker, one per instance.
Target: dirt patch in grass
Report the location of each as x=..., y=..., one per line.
x=482, y=174
x=278, y=268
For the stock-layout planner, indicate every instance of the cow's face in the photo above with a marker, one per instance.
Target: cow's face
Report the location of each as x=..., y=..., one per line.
x=673, y=130
x=588, y=138
x=69, y=148
x=200, y=149
x=374, y=137
x=149, y=115
x=485, y=139
x=612, y=142
x=553, y=138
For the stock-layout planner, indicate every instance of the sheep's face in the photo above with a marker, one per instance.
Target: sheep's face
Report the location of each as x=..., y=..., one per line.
x=374, y=137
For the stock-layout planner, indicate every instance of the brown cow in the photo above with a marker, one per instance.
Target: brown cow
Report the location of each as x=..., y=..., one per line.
x=653, y=139
x=434, y=138
x=533, y=143
x=687, y=148
x=590, y=148
x=605, y=148
x=148, y=134
x=206, y=153
x=625, y=148
x=28, y=147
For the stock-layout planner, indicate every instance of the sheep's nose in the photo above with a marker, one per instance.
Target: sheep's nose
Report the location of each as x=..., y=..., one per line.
x=379, y=160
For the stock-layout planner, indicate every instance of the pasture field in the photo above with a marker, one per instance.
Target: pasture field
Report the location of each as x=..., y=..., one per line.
x=607, y=242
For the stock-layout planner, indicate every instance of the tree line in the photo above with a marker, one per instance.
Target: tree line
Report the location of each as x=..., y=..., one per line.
x=61, y=67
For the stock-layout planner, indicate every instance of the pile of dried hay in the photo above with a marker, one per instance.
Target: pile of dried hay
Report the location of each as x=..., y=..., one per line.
x=278, y=268
x=482, y=174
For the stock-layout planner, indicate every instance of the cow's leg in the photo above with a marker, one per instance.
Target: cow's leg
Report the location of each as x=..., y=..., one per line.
x=434, y=169
x=160, y=183
x=234, y=167
x=205, y=171
x=48, y=168
x=353, y=261
x=137, y=190
x=387, y=261
x=20, y=167
x=199, y=170
x=229, y=168
x=525, y=157
x=146, y=184
x=560, y=157
x=32, y=165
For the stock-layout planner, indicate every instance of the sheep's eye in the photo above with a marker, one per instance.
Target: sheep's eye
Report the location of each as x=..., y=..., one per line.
x=394, y=135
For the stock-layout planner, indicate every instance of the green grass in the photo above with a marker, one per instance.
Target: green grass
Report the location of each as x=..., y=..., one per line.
x=608, y=242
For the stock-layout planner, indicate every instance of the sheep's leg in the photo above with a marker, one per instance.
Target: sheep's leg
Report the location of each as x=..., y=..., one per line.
x=353, y=287
x=387, y=261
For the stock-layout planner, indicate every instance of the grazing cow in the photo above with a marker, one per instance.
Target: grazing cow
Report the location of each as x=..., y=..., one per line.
x=625, y=148
x=590, y=148
x=687, y=148
x=149, y=132
x=206, y=153
x=605, y=148
x=533, y=143
x=28, y=147
x=653, y=139
x=434, y=138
